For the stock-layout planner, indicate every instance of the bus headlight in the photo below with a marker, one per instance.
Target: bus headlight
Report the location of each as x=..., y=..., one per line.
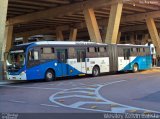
x=22, y=73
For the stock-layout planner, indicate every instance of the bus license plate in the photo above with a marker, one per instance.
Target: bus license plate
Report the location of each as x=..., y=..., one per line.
x=13, y=78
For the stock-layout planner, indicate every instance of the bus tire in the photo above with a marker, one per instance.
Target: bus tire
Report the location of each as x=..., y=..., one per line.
x=135, y=68
x=95, y=71
x=49, y=75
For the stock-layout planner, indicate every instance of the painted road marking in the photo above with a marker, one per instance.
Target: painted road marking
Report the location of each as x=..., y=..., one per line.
x=119, y=108
x=80, y=103
x=47, y=105
x=78, y=96
x=17, y=101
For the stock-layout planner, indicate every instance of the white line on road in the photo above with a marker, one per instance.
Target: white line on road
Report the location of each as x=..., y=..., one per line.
x=17, y=101
x=49, y=105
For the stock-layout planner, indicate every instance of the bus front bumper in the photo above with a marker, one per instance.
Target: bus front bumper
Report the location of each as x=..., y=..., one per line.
x=21, y=76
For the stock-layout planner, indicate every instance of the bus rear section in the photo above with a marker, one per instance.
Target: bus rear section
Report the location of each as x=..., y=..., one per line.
x=133, y=58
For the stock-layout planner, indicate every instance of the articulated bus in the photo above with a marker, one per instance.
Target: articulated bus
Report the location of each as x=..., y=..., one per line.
x=51, y=59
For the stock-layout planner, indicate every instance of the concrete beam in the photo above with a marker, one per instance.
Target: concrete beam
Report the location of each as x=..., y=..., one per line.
x=61, y=11
x=102, y=22
x=141, y=16
x=92, y=25
x=114, y=23
x=73, y=34
x=34, y=32
x=136, y=28
x=154, y=34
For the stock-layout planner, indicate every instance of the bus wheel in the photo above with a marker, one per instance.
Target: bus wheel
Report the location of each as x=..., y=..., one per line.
x=95, y=71
x=50, y=75
x=135, y=68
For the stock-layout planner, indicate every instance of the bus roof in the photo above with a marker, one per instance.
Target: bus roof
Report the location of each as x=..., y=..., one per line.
x=72, y=43
x=61, y=43
x=132, y=45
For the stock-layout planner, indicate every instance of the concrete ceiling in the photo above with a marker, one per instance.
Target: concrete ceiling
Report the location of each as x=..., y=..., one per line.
x=20, y=9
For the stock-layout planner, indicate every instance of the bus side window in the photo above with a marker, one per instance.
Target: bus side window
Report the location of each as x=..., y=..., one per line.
x=71, y=53
x=33, y=55
x=62, y=55
x=81, y=55
x=126, y=53
x=30, y=55
x=47, y=53
x=33, y=58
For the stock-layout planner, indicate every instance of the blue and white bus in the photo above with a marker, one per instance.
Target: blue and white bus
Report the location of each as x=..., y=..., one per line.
x=51, y=59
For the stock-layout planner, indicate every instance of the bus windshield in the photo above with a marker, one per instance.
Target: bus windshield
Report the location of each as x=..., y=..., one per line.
x=16, y=59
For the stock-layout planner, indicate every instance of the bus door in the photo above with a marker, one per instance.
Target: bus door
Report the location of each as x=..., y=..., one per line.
x=126, y=60
x=33, y=65
x=62, y=57
x=81, y=60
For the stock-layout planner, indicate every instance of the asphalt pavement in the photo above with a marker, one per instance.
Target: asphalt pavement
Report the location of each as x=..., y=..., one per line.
x=119, y=93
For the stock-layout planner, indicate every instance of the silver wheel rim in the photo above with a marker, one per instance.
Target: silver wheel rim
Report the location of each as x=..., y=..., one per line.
x=135, y=68
x=49, y=75
x=96, y=72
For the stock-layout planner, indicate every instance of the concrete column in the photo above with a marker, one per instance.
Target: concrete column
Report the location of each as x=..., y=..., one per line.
x=8, y=42
x=154, y=34
x=119, y=38
x=3, y=15
x=59, y=35
x=114, y=22
x=92, y=25
x=73, y=34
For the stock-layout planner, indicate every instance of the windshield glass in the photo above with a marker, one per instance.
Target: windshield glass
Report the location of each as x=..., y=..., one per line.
x=16, y=59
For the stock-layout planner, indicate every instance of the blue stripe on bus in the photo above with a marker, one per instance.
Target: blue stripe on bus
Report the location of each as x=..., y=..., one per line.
x=61, y=69
x=141, y=64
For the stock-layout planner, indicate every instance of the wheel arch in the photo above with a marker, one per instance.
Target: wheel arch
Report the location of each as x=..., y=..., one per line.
x=97, y=66
x=136, y=63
